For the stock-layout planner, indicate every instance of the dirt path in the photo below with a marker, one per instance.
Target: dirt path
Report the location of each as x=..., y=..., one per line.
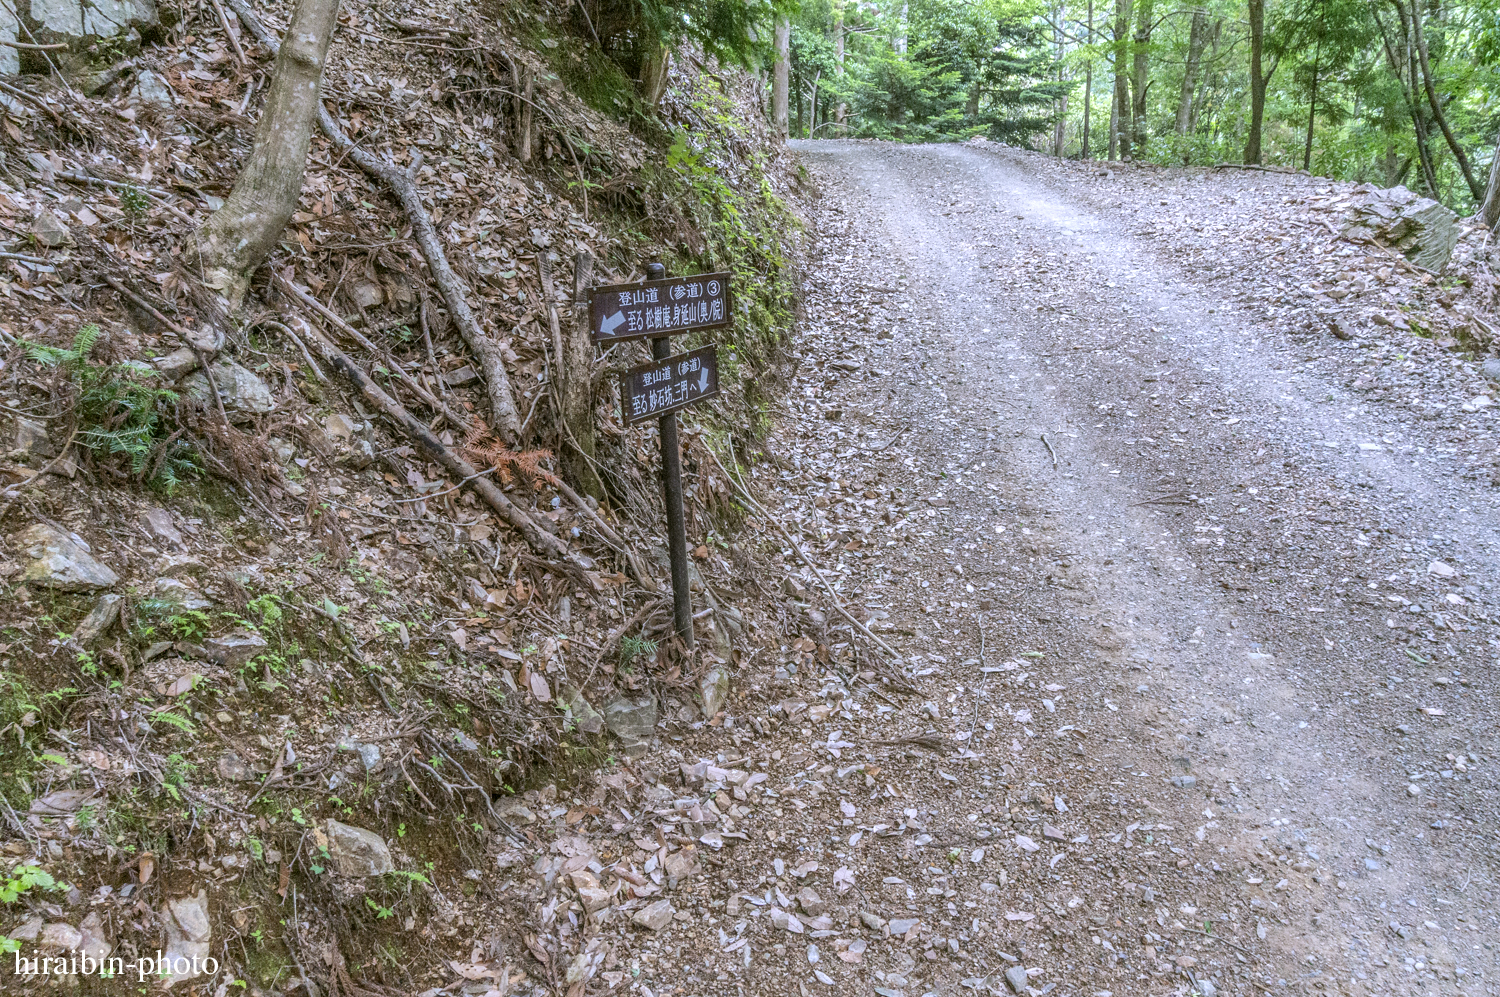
x=1213, y=587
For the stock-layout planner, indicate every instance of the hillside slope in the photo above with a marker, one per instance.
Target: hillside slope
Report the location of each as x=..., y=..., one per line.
x=231, y=626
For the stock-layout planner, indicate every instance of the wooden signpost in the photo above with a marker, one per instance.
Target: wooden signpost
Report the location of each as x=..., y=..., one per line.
x=657, y=309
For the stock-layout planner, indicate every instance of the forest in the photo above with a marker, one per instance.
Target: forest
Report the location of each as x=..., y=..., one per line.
x=1386, y=92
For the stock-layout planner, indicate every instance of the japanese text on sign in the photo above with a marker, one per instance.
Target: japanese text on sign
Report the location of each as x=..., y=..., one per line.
x=659, y=307
x=667, y=385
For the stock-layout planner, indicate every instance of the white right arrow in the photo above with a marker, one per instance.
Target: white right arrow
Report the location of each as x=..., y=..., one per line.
x=611, y=323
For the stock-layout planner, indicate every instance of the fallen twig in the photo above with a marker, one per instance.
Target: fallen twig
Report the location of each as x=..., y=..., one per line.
x=607, y=532
x=160, y=196
x=14, y=491
x=1219, y=938
x=234, y=42
x=1050, y=450
x=31, y=98
x=453, y=417
x=289, y=334
x=886, y=445
x=504, y=417
x=182, y=334
x=536, y=538
x=1173, y=498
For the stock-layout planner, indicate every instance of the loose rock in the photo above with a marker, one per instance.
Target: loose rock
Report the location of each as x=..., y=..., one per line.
x=62, y=561
x=356, y=852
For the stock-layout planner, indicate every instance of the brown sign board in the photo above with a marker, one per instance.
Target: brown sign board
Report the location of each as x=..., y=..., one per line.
x=666, y=385
x=656, y=308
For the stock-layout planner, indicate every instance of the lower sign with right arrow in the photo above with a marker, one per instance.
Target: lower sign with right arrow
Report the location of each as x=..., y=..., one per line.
x=669, y=384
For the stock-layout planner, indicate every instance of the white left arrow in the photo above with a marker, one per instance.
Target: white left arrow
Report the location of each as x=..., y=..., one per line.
x=611, y=323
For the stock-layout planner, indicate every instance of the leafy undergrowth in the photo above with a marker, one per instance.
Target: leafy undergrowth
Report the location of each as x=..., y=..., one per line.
x=309, y=620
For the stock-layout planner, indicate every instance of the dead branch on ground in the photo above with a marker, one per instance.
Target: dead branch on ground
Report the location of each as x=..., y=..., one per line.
x=538, y=539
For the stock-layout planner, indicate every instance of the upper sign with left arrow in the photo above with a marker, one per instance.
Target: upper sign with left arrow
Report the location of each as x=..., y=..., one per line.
x=658, y=307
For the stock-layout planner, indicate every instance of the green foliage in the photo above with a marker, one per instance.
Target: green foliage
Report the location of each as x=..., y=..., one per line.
x=730, y=219
x=168, y=716
x=635, y=647
x=20, y=881
x=123, y=411
x=163, y=616
x=730, y=31
x=22, y=720
x=135, y=202
x=950, y=69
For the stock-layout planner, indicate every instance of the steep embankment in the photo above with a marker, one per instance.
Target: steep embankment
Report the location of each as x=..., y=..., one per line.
x=230, y=626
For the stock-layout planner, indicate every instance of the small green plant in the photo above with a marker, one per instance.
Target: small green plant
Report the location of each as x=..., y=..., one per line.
x=20, y=881
x=134, y=202
x=122, y=411
x=175, y=775
x=635, y=647
x=25, y=878
x=381, y=913
x=166, y=715
x=267, y=608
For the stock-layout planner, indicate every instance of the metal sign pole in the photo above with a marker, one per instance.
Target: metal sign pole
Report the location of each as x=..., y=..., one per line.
x=671, y=479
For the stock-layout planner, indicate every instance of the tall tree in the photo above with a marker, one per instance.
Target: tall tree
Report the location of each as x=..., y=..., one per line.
x=1197, y=36
x=841, y=109
x=1119, y=117
x=1437, y=106
x=1489, y=207
x=1258, y=80
x=780, y=119
x=1141, y=72
x=1088, y=80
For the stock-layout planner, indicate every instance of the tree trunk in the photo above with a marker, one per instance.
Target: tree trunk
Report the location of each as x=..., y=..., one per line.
x=1088, y=84
x=898, y=41
x=1312, y=106
x=574, y=349
x=1414, y=104
x=1257, y=80
x=798, y=122
x=1437, y=105
x=656, y=65
x=236, y=239
x=1489, y=208
x=1114, y=129
x=1403, y=66
x=525, y=83
x=1119, y=119
x=1142, y=68
x=812, y=117
x=1196, y=37
x=840, y=109
x=780, y=123
x=1060, y=106
x=1212, y=45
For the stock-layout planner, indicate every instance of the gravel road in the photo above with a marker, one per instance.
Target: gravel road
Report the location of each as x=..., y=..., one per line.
x=1236, y=607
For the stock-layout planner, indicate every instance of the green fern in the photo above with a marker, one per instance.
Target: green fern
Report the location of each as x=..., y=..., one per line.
x=177, y=720
x=123, y=412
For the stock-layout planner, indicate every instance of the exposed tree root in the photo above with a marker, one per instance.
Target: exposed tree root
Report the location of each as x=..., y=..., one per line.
x=503, y=415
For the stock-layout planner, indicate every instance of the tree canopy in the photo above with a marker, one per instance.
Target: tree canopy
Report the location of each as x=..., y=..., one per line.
x=1385, y=91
